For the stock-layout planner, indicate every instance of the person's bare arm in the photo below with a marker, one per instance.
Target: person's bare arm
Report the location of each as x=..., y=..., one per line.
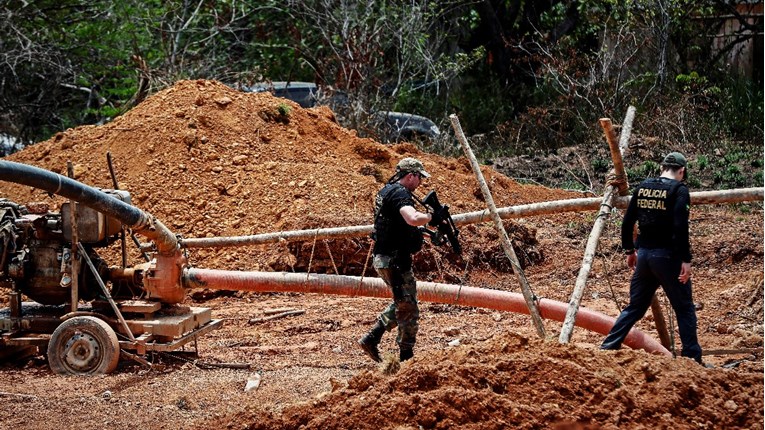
x=413, y=217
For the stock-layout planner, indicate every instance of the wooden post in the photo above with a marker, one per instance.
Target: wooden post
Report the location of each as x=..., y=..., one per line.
x=616, y=155
x=504, y=240
x=75, y=264
x=624, y=139
x=605, y=210
x=584, y=272
x=661, y=324
x=658, y=314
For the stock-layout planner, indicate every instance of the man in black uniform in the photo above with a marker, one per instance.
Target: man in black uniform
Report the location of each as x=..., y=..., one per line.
x=397, y=237
x=660, y=206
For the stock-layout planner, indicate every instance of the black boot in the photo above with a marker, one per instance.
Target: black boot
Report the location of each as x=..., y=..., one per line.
x=369, y=342
x=405, y=354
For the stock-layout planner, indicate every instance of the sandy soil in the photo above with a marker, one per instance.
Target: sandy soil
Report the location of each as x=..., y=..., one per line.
x=210, y=161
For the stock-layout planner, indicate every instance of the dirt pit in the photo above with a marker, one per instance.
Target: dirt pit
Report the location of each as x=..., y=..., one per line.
x=211, y=161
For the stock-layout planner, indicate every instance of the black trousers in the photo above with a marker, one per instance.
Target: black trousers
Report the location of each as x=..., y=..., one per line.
x=658, y=267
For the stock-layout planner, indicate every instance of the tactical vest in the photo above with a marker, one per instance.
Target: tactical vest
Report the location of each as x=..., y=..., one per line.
x=655, y=212
x=392, y=234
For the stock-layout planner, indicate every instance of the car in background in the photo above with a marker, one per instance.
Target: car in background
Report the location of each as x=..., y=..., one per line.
x=395, y=126
x=407, y=126
x=303, y=93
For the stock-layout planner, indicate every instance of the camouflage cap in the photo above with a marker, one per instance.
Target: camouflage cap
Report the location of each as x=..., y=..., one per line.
x=674, y=159
x=412, y=165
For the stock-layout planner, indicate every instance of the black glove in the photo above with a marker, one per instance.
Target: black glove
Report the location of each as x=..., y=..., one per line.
x=436, y=219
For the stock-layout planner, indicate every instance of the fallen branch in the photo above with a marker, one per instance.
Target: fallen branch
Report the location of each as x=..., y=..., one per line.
x=277, y=311
x=22, y=396
x=205, y=365
x=732, y=351
x=273, y=317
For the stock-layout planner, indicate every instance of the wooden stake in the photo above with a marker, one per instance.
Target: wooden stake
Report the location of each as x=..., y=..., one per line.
x=584, y=271
x=277, y=311
x=504, y=240
x=661, y=324
x=75, y=262
x=592, y=242
x=624, y=139
x=616, y=156
x=273, y=317
x=658, y=314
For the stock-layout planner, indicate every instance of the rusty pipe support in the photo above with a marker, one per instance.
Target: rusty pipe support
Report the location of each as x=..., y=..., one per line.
x=510, y=212
x=426, y=291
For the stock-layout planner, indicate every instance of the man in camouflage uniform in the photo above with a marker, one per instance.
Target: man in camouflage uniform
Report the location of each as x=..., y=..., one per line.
x=397, y=237
x=660, y=207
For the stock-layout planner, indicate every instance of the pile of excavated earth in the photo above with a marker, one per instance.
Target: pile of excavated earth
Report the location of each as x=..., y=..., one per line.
x=209, y=161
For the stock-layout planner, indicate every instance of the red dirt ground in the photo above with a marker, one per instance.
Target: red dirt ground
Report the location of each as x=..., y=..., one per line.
x=210, y=161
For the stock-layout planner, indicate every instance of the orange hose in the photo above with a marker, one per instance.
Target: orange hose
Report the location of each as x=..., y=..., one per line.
x=426, y=291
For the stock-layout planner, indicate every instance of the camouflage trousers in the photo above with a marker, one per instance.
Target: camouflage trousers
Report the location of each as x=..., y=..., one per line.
x=403, y=312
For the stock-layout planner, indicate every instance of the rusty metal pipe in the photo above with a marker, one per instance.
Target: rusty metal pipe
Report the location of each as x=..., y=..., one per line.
x=426, y=291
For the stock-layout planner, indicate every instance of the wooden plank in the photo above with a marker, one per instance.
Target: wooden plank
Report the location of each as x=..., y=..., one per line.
x=171, y=325
x=139, y=306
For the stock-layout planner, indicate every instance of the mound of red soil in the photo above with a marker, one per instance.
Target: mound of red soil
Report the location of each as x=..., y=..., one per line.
x=516, y=382
x=208, y=160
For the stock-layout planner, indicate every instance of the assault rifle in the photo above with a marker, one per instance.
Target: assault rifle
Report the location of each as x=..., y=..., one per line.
x=443, y=223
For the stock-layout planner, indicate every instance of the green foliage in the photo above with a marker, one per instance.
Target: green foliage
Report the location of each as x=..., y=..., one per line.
x=570, y=184
x=702, y=162
x=600, y=165
x=727, y=104
x=694, y=182
x=693, y=83
x=729, y=176
x=646, y=170
x=284, y=110
x=433, y=99
x=757, y=178
x=738, y=166
x=536, y=80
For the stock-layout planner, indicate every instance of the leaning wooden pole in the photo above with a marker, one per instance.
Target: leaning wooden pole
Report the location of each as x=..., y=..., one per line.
x=618, y=185
x=658, y=314
x=504, y=240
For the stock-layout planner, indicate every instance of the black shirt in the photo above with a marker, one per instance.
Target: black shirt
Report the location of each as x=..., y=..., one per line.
x=660, y=206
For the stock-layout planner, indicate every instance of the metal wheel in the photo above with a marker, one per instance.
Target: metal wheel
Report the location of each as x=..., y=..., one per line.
x=83, y=346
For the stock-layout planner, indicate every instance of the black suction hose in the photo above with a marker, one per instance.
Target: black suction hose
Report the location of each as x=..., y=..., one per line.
x=57, y=184
x=88, y=196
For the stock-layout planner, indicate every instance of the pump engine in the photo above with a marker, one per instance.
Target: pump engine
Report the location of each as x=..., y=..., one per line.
x=35, y=249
